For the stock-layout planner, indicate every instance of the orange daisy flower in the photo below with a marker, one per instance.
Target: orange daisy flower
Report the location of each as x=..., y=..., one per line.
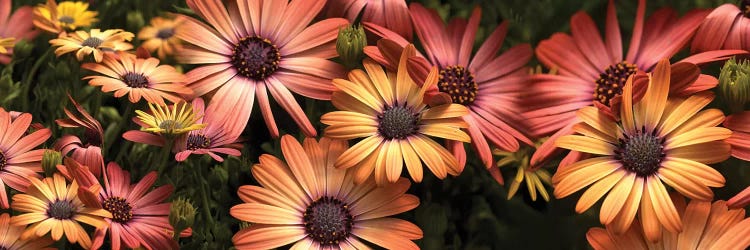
x=51, y=205
x=138, y=77
x=390, y=113
x=11, y=237
x=258, y=47
x=95, y=42
x=310, y=203
x=161, y=36
x=18, y=163
x=656, y=141
x=705, y=226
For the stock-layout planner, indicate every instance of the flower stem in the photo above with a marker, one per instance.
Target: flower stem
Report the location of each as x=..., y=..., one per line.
x=26, y=88
x=165, y=155
x=120, y=125
x=197, y=173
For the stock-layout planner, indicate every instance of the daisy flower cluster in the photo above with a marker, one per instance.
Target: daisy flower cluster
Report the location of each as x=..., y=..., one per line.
x=358, y=124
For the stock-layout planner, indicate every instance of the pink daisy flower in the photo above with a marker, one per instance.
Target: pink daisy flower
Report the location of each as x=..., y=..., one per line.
x=17, y=26
x=18, y=163
x=87, y=151
x=253, y=48
x=592, y=70
x=140, y=217
x=727, y=27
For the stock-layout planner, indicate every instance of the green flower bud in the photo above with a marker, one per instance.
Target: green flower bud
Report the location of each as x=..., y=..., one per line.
x=134, y=20
x=181, y=215
x=350, y=45
x=734, y=84
x=218, y=177
x=50, y=160
x=62, y=70
x=22, y=49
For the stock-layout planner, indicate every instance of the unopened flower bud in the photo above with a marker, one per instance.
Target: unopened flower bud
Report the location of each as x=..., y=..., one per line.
x=181, y=215
x=350, y=45
x=734, y=84
x=50, y=160
x=22, y=49
x=135, y=20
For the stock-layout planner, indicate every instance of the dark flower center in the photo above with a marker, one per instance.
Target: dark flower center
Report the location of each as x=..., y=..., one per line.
x=611, y=82
x=197, y=141
x=745, y=8
x=170, y=126
x=397, y=122
x=92, y=42
x=92, y=137
x=66, y=19
x=328, y=221
x=458, y=82
x=3, y=160
x=641, y=153
x=61, y=210
x=120, y=209
x=256, y=57
x=165, y=33
x=135, y=80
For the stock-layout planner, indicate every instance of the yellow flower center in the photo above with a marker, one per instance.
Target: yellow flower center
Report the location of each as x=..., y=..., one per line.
x=397, y=122
x=121, y=210
x=458, y=82
x=198, y=141
x=641, y=153
x=610, y=82
x=255, y=57
x=328, y=221
x=61, y=210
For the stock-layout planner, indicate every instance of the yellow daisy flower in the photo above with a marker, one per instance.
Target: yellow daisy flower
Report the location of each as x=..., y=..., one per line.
x=389, y=112
x=94, y=42
x=67, y=16
x=169, y=121
x=655, y=141
x=51, y=205
x=536, y=179
x=6, y=44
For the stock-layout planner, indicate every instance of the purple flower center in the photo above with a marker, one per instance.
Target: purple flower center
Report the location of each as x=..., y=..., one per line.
x=135, y=80
x=61, y=210
x=256, y=58
x=92, y=42
x=640, y=153
x=165, y=33
x=611, y=82
x=458, y=82
x=328, y=221
x=745, y=8
x=120, y=209
x=66, y=20
x=3, y=160
x=197, y=141
x=397, y=122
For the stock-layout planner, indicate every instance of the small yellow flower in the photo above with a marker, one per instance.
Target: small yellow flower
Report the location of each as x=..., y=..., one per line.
x=6, y=43
x=67, y=16
x=535, y=178
x=95, y=41
x=170, y=121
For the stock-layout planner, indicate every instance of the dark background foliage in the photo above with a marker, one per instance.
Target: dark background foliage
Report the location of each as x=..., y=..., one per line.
x=470, y=211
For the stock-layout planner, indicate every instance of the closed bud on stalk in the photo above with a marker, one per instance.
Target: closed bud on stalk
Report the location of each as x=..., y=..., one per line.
x=135, y=20
x=181, y=215
x=50, y=160
x=22, y=49
x=350, y=45
x=734, y=84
